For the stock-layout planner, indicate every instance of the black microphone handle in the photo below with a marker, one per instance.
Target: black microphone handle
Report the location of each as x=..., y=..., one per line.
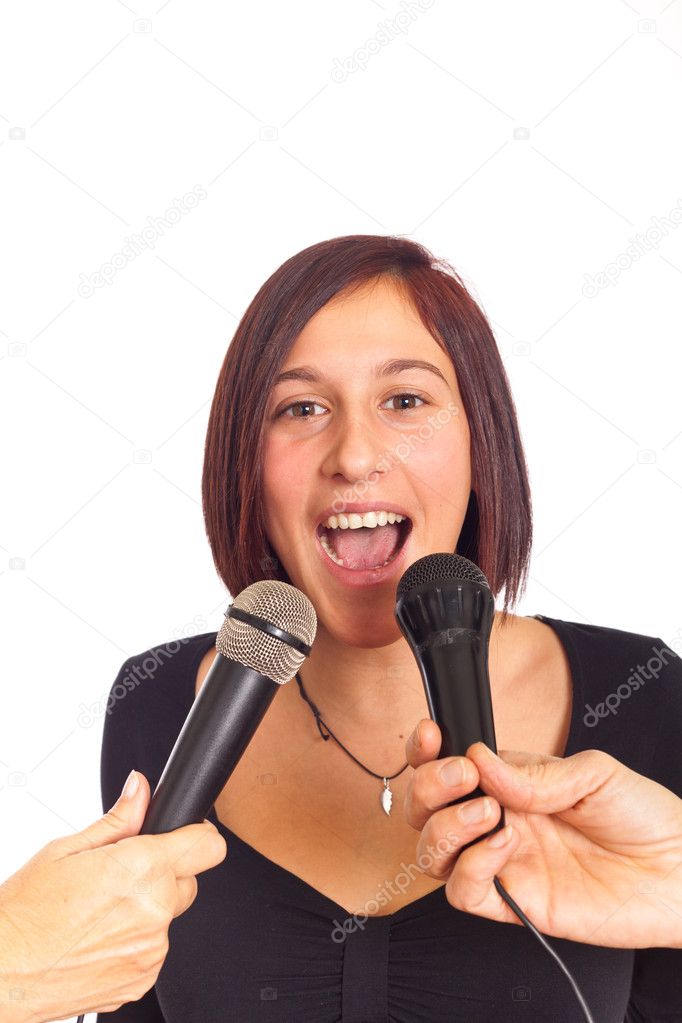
x=224, y=716
x=453, y=662
x=459, y=702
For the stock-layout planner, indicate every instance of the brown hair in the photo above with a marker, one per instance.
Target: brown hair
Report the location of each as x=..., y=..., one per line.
x=497, y=529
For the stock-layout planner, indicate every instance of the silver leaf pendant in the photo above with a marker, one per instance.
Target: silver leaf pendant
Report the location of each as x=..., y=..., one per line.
x=386, y=797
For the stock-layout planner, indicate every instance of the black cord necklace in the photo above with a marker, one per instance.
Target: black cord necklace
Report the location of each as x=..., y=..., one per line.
x=386, y=795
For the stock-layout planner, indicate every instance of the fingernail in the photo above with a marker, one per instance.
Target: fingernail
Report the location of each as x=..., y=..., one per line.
x=131, y=786
x=474, y=812
x=501, y=837
x=452, y=773
x=416, y=738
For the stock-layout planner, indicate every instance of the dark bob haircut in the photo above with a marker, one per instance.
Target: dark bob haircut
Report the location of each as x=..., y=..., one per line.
x=497, y=530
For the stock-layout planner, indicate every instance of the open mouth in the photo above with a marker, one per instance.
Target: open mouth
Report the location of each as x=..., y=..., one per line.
x=364, y=542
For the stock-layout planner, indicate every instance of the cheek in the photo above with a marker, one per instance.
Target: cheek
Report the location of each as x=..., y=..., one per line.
x=285, y=472
x=443, y=453
x=442, y=472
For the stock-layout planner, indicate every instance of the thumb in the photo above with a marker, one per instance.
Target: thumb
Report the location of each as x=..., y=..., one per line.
x=123, y=820
x=533, y=783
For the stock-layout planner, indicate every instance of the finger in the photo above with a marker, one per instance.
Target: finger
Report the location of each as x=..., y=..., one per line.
x=123, y=820
x=471, y=888
x=424, y=743
x=192, y=849
x=187, y=888
x=533, y=783
x=436, y=784
x=447, y=831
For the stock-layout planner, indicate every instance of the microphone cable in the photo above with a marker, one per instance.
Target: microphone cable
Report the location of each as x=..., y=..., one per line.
x=502, y=891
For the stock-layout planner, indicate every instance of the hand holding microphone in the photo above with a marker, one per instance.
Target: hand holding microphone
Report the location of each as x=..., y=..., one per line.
x=84, y=923
x=592, y=847
x=594, y=852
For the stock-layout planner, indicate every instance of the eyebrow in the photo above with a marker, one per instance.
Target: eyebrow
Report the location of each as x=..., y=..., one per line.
x=384, y=369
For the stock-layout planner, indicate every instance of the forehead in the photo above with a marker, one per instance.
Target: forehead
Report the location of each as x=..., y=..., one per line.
x=377, y=318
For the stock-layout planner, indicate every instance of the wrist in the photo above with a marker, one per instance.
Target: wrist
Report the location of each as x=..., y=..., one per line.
x=16, y=1004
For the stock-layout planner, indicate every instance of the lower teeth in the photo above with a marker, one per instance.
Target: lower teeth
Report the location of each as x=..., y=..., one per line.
x=339, y=561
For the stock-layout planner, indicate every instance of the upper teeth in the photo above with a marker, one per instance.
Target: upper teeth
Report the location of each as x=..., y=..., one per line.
x=354, y=521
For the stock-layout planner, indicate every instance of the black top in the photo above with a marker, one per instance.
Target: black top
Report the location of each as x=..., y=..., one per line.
x=259, y=943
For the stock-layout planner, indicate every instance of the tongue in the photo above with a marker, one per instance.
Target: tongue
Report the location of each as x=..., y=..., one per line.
x=365, y=547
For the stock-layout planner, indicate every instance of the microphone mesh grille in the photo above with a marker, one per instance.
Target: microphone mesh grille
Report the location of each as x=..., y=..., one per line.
x=281, y=605
x=437, y=567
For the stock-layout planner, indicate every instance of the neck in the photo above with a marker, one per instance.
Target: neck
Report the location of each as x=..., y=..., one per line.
x=373, y=698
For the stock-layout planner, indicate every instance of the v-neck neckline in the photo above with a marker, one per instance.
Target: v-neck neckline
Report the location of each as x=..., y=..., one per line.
x=382, y=920
x=232, y=836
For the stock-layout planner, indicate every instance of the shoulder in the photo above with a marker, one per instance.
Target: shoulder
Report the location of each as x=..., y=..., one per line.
x=161, y=674
x=148, y=702
x=606, y=641
x=630, y=696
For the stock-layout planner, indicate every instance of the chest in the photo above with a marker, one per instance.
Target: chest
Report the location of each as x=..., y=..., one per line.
x=304, y=804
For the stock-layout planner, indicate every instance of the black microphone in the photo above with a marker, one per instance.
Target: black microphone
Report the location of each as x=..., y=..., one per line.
x=445, y=610
x=268, y=631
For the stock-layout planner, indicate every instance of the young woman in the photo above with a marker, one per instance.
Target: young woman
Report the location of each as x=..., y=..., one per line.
x=361, y=420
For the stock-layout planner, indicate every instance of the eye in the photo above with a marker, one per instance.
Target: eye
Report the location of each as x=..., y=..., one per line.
x=298, y=405
x=301, y=409
x=406, y=396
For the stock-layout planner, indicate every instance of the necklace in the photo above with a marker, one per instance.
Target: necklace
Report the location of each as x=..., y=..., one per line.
x=386, y=794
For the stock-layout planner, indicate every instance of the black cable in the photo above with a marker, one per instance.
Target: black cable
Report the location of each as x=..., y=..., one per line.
x=548, y=948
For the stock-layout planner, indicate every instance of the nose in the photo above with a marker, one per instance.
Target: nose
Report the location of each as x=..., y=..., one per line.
x=355, y=451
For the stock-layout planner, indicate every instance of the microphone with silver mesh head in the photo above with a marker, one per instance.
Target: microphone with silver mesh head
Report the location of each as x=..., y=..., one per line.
x=268, y=631
x=445, y=610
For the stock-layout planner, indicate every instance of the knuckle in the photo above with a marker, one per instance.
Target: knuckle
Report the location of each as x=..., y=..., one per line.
x=160, y=953
x=596, y=757
x=431, y=846
x=52, y=850
x=419, y=794
x=218, y=846
x=152, y=958
x=141, y=853
x=474, y=812
x=408, y=805
x=113, y=821
x=454, y=893
x=162, y=912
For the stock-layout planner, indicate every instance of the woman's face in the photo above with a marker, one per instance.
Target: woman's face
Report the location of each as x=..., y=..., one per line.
x=348, y=434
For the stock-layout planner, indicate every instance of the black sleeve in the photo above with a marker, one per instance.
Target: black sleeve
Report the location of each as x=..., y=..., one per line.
x=120, y=755
x=656, y=993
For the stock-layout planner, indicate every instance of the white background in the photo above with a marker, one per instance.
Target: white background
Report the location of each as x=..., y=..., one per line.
x=526, y=143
